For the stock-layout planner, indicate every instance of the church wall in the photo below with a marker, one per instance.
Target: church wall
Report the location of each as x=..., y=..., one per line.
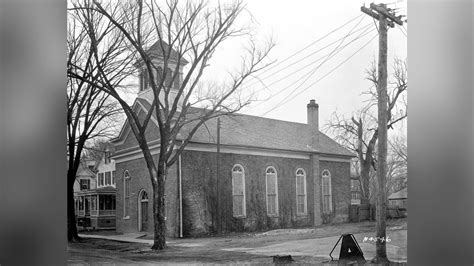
x=140, y=180
x=341, y=191
x=200, y=193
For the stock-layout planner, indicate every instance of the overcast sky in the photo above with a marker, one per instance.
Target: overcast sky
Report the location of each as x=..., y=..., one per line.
x=296, y=24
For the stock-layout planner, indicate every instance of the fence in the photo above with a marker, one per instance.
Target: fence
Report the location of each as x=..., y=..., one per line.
x=365, y=212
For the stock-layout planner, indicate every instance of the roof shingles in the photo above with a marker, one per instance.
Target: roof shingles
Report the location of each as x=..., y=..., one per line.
x=259, y=132
x=157, y=50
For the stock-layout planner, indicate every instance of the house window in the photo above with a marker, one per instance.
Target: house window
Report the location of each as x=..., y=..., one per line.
x=327, y=194
x=81, y=203
x=169, y=78
x=85, y=184
x=238, y=191
x=113, y=178
x=106, y=202
x=272, y=191
x=144, y=80
x=300, y=191
x=108, y=180
x=101, y=179
x=94, y=203
x=159, y=73
x=126, y=194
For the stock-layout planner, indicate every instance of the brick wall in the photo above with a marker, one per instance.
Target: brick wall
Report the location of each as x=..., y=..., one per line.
x=140, y=180
x=200, y=196
x=341, y=186
x=315, y=175
x=152, y=133
x=200, y=213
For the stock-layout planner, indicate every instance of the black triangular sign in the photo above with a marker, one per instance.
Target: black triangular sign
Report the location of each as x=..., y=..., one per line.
x=350, y=249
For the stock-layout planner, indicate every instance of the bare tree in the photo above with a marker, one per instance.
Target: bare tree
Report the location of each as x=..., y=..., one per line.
x=95, y=149
x=91, y=113
x=185, y=32
x=359, y=133
x=396, y=176
x=397, y=164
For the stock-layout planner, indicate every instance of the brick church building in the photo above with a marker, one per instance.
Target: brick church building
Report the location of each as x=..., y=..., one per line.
x=271, y=174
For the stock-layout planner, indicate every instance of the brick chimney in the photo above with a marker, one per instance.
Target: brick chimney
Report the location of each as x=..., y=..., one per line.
x=313, y=122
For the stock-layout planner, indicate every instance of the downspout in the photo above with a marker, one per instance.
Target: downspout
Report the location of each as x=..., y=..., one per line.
x=180, y=198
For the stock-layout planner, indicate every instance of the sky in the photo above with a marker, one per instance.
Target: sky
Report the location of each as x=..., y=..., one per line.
x=334, y=84
x=322, y=51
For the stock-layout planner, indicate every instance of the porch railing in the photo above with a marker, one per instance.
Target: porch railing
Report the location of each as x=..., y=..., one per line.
x=106, y=212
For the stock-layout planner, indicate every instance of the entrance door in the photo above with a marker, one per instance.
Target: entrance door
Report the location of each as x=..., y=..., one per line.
x=144, y=215
x=143, y=211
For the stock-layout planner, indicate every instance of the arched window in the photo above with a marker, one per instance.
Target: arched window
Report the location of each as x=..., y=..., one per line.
x=272, y=191
x=301, y=192
x=143, y=210
x=159, y=73
x=238, y=191
x=126, y=194
x=327, y=193
x=169, y=78
x=144, y=196
x=145, y=81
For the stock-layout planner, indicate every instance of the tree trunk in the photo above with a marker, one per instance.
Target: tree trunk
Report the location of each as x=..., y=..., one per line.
x=159, y=241
x=72, y=235
x=365, y=183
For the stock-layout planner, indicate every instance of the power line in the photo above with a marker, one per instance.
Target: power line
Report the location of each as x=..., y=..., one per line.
x=400, y=28
x=392, y=3
x=312, y=84
x=340, y=49
x=330, y=55
x=312, y=71
x=306, y=57
x=311, y=44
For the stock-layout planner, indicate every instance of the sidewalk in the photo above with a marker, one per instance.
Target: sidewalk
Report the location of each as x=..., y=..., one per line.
x=131, y=237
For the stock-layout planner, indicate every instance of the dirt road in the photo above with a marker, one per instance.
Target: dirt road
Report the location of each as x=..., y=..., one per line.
x=308, y=246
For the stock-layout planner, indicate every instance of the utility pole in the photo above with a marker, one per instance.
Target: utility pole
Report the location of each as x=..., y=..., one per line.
x=386, y=18
x=218, y=211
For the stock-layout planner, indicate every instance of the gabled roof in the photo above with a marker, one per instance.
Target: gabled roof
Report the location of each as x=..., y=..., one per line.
x=259, y=132
x=84, y=170
x=402, y=194
x=156, y=50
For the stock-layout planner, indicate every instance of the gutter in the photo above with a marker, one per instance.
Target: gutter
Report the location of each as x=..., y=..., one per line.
x=180, y=198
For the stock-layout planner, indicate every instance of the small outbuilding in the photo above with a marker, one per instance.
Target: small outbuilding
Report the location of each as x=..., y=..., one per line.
x=398, y=204
x=398, y=199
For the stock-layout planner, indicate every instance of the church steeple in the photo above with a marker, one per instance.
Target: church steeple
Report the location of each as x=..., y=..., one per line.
x=156, y=54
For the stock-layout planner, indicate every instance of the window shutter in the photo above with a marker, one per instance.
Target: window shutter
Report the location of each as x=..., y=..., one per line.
x=325, y=186
x=238, y=188
x=300, y=184
x=238, y=184
x=271, y=190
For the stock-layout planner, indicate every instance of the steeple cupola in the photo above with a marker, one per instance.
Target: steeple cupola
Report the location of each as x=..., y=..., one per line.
x=157, y=57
